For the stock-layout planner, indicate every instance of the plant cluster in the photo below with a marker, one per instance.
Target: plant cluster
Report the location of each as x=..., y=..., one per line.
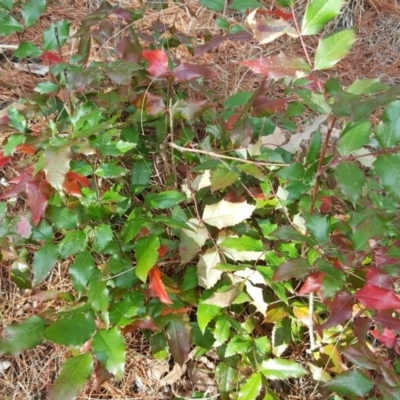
x=265, y=231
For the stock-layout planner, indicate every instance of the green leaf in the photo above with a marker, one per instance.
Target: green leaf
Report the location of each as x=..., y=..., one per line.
x=9, y=25
x=146, y=255
x=222, y=330
x=103, y=236
x=44, y=261
x=238, y=99
x=242, y=5
x=63, y=217
x=74, y=373
x=350, y=383
x=32, y=10
x=280, y=368
x=388, y=132
x=12, y=142
x=71, y=331
x=141, y=173
x=7, y=4
x=296, y=268
x=333, y=48
x=251, y=388
x=46, y=87
x=350, y=179
x=110, y=170
x=366, y=86
x=294, y=172
x=17, y=120
x=226, y=377
x=387, y=167
x=162, y=200
x=318, y=14
x=213, y=5
x=27, y=49
x=281, y=336
x=49, y=35
x=109, y=348
x=353, y=137
x=22, y=335
x=243, y=243
x=73, y=242
x=179, y=339
x=81, y=271
x=318, y=226
x=238, y=345
x=99, y=296
x=205, y=313
x=223, y=177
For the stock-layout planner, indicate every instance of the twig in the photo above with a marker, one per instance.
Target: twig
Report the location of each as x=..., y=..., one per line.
x=217, y=155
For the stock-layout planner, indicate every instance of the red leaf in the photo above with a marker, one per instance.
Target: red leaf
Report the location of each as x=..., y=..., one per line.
x=381, y=257
x=79, y=178
x=4, y=160
x=125, y=15
x=128, y=50
x=276, y=13
x=230, y=124
x=72, y=188
x=376, y=298
x=212, y=44
x=187, y=72
x=24, y=228
x=326, y=204
x=312, y=283
x=277, y=67
x=377, y=277
x=102, y=375
x=162, y=250
x=26, y=149
x=50, y=57
x=38, y=193
x=341, y=309
x=264, y=106
x=156, y=285
x=361, y=328
x=363, y=357
x=387, y=337
x=158, y=62
x=152, y=103
x=168, y=310
x=385, y=320
x=146, y=323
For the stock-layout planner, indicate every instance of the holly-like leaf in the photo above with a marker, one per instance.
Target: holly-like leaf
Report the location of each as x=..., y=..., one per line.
x=32, y=10
x=318, y=225
x=179, y=339
x=296, y=268
x=222, y=330
x=44, y=260
x=318, y=14
x=72, y=243
x=71, y=331
x=50, y=41
x=99, y=296
x=120, y=71
x=350, y=179
x=38, y=192
x=146, y=255
x=190, y=109
x=388, y=132
x=223, y=177
x=146, y=323
x=9, y=25
x=225, y=298
x=207, y=274
x=74, y=373
x=341, y=309
x=377, y=277
x=332, y=48
x=312, y=283
x=27, y=49
x=56, y=165
x=7, y=4
x=276, y=67
x=192, y=240
x=129, y=49
x=385, y=320
x=211, y=44
x=24, y=228
x=214, y=5
x=22, y=335
x=158, y=62
x=157, y=286
x=376, y=298
x=353, y=137
x=109, y=348
x=266, y=29
x=81, y=271
x=187, y=72
x=279, y=368
x=242, y=5
x=205, y=314
x=225, y=213
x=166, y=199
x=251, y=388
x=350, y=383
x=387, y=167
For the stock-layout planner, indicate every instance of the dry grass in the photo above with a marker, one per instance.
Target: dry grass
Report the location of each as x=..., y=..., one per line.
x=376, y=54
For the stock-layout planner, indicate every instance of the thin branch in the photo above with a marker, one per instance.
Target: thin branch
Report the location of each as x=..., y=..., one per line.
x=222, y=156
